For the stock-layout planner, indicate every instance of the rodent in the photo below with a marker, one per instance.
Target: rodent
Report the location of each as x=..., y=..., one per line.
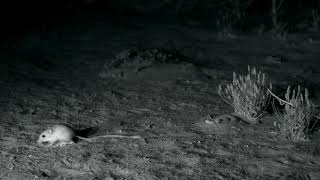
x=61, y=135
x=224, y=119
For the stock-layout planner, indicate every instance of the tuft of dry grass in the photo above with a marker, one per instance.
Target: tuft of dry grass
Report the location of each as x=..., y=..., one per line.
x=294, y=123
x=248, y=94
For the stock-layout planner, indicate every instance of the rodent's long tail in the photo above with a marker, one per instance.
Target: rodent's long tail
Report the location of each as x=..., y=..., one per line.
x=119, y=136
x=108, y=136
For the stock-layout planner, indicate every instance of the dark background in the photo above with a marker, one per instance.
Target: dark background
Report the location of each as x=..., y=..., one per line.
x=18, y=17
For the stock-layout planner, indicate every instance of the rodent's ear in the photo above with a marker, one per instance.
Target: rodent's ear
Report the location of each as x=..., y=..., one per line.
x=50, y=130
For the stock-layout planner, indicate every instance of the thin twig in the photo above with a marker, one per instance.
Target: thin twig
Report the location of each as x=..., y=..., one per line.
x=286, y=102
x=276, y=111
x=279, y=99
x=318, y=117
x=315, y=123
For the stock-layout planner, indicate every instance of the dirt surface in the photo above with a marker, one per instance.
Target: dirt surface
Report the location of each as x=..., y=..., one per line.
x=156, y=80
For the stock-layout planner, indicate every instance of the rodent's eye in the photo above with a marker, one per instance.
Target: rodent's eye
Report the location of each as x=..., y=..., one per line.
x=43, y=136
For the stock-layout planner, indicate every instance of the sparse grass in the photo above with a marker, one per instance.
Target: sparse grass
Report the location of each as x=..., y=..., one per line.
x=247, y=94
x=294, y=123
x=225, y=26
x=280, y=31
x=315, y=20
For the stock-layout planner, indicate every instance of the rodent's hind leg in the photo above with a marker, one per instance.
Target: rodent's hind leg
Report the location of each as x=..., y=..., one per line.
x=63, y=143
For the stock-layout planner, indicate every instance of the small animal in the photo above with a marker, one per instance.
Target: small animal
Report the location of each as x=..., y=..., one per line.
x=61, y=135
x=222, y=124
x=224, y=119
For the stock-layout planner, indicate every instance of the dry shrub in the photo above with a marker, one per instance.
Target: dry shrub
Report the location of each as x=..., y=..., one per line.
x=294, y=123
x=248, y=94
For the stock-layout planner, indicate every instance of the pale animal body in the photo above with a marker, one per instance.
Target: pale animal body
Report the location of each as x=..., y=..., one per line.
x=61, y=135
x=224, y=119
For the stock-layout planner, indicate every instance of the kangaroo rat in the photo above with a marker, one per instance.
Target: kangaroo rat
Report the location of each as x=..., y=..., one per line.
x=224, y=119
x=61, y=135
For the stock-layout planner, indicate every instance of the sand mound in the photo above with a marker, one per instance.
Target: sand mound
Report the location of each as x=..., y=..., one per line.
x=151, y=64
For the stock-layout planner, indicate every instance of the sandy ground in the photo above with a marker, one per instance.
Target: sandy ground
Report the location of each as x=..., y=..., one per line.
x=81, y=74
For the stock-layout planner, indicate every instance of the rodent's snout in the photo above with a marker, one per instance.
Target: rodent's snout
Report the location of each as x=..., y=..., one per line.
x=41, y=138
x=41, y=141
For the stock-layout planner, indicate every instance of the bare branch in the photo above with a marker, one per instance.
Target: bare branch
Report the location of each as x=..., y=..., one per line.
x=279, y=99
